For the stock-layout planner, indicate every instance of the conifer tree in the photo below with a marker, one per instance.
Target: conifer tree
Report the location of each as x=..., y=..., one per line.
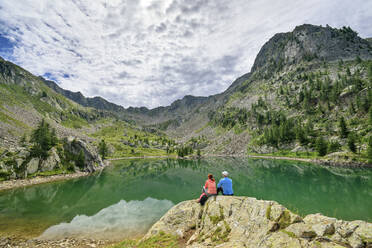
x=43, y=139
x=369, y=150
x=321, y=146
x=351, y=143
x=103, y=149
x=343, y=128
x=80, y=160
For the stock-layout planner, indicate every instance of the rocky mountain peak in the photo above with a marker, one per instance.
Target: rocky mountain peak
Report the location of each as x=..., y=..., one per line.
x=309, y=42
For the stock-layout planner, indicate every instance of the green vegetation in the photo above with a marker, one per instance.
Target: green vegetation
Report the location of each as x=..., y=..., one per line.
x=43, y=138
x=305, y=108
x=161, y=240
x=285, y=219
x=124, y=140
x=268, y=212
x=184, y=151
x=102, y=149
x=321, y=146
x=290, y=234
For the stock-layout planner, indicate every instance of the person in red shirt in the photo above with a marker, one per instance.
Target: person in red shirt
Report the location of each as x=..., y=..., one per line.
x=208, y=189
x=210, y=186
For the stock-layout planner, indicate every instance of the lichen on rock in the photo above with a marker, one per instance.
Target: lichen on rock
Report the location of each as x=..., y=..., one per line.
x=230, y=221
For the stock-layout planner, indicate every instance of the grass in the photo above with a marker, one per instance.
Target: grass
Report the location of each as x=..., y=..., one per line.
x=362, y=157
x=268, y=212
x=120, y=135
x=49, y=173
x=161, y=240
x=290, y=234
x=10, y=120
x=285, y=219
x=289, y=154
x=74, y=122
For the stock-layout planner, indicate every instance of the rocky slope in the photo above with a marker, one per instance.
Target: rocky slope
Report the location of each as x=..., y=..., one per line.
x=301, y=84
x=247, y=222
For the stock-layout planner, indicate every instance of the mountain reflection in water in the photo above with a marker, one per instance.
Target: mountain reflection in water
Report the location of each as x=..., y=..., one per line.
x=304, y=188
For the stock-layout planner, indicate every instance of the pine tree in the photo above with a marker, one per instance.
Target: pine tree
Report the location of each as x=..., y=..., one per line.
x=53, y=137
x=80, y=160
x=103, y=149
x=369, y=150
x=42, y=140
x=343, y=128
x=351, y=143
x=321, y=146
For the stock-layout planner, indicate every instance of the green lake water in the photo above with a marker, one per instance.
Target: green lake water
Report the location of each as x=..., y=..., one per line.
x=125, y=199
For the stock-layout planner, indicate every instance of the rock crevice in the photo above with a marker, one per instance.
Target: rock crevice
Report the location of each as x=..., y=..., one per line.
x=227, y=221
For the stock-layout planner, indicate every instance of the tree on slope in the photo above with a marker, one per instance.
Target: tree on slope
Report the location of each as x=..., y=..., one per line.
x=321, y=146
x=103, y=149
x=343, y=128
x=43, y=138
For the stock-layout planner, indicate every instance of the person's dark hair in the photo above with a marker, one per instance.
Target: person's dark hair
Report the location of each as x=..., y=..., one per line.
x=210, y=176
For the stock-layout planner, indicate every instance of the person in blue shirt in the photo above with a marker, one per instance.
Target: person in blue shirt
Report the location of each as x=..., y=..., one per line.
x=225, y=185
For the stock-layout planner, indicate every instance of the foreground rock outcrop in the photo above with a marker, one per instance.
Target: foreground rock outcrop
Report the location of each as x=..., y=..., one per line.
x=247, y=222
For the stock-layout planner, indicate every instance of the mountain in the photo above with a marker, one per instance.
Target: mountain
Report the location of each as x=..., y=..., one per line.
x=301, y=85
x=42, y=132
x=94, y=102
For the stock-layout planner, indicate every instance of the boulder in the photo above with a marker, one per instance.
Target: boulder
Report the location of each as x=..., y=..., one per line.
x=230, y=221
x=33, y=166
x=52, y=162
x=19, y=162
x=24, y=153
x=92, y=159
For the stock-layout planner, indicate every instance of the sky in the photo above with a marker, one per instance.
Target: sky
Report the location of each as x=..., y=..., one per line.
x=153, y=52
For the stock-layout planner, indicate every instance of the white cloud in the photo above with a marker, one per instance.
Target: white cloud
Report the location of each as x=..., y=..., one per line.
x=151, y=53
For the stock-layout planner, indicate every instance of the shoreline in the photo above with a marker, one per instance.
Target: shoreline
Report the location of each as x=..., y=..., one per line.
x=18, y=183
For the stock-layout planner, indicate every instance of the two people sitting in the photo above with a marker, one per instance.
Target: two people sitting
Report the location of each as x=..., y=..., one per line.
x=224, y=186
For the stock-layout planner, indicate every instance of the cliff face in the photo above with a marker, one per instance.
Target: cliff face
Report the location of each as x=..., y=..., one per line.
x=247, y=222
x=308, y=42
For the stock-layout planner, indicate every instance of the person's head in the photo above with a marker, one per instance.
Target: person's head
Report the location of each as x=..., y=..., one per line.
x=225, y=174
x=210, y=176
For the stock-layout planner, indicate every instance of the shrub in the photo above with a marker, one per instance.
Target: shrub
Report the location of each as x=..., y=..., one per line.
x=351, y=143
x=103, y=149
x=321, y=146
x=333, y=146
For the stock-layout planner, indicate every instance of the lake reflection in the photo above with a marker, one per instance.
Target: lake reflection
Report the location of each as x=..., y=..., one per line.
x=305, y=188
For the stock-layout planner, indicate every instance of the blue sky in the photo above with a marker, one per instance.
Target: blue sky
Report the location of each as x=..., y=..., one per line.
x=151, y=52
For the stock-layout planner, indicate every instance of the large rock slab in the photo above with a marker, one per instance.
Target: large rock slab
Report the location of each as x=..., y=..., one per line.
x=52, y=162
x=229, y=221
x=33, y=165
x=92, y=159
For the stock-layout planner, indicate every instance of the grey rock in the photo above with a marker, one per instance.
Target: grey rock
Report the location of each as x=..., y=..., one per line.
x=19, y=162
x=92, y=159
x=52, y=162
x=247, y=222
x=33, y=166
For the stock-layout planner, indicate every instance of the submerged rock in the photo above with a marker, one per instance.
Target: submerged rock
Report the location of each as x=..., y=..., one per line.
x=227, y=221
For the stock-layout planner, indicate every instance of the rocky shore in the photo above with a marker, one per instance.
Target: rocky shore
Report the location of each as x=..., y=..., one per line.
x=227, y=221
x=63, y=243
x=18, y=183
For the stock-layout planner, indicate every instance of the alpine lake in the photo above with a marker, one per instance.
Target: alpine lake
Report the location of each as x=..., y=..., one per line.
x=126, y=198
